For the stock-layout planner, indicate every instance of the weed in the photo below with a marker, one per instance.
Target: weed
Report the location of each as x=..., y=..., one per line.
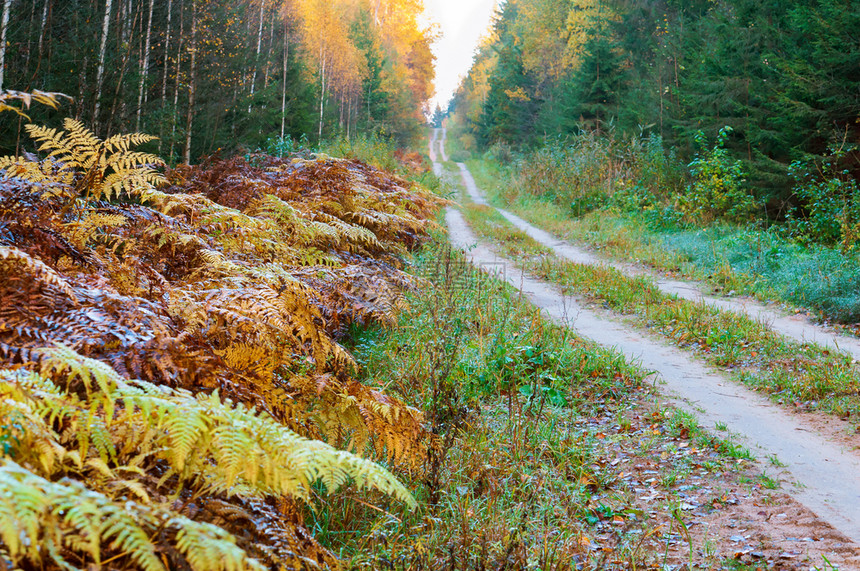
x=774, y=461
x=767, y=482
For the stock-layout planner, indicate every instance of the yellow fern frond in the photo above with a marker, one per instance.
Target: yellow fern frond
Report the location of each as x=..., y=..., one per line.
x=101, y=169
x=225, y=442
x=40, y=518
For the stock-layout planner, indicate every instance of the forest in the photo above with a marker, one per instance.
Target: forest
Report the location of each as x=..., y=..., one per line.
x=254, y=316
x=214, y=75
x=782, y=79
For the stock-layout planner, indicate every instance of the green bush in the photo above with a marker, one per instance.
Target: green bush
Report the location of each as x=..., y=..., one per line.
x=375, y=150
x=717, y=191
x=829, y=204
x=286, y=146
x=656, y=178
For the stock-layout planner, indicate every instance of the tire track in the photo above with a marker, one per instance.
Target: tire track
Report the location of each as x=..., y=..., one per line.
x=796, y=327
x=825, y=471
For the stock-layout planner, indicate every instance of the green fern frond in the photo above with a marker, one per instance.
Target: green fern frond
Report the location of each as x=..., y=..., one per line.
x=40, y=518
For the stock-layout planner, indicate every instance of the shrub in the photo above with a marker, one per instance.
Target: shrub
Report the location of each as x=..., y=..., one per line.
x=829, y=209
x=717, y=191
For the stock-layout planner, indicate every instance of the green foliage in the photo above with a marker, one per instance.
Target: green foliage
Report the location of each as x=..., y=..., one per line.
x=577, y=174
x=782, y=75
x=829, y=210
x=287, y=146
x=717, y=190
x=373, y=149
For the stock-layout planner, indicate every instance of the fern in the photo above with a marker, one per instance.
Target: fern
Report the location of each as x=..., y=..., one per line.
x=225, y=295
x=11, y=257
x=51, y=99
x=99, y=169
x=40, y=520
x=193, y=432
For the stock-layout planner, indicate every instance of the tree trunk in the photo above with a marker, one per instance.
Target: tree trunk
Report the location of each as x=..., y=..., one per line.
x=29, y=40
x=284, y=88
x=191, y=83
x=257, y=53
x=322, y=93
x=7, y=5
x=269, y=50
x=166, y=52
x=164, y=76
x=144, y=67
x=101, y=69
x=118, y=101
x=173, y=115
x=42, y=29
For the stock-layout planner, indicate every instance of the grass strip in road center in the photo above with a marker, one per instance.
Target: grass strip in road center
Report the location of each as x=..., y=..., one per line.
x=805, y=376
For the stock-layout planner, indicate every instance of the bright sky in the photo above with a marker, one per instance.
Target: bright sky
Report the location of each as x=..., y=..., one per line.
x=462, y=23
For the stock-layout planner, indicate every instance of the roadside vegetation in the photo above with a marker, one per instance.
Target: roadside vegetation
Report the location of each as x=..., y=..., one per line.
x=554, y=454
x=717, y=139
x=266, y=362
x=801, y=375
x=626, y=218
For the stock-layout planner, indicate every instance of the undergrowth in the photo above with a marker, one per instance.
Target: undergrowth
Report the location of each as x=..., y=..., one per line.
x=760, y=262
x=174, y=391
x=534, y=423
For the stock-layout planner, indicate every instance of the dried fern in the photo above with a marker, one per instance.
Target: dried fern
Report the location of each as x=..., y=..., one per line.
x=225, y=292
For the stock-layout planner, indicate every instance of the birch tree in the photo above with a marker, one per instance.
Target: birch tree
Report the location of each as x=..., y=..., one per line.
x=101, y=67
x=144, y=66
x=257, y=53
x=284, y=87
x=191, y=84
x=4, y=26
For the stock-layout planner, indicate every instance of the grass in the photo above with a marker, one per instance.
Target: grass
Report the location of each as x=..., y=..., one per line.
x=732, y=259
x=803, y=374
x=544, y=437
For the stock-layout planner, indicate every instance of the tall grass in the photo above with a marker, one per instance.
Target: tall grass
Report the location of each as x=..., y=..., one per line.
x=629, y=197
x=589, y=171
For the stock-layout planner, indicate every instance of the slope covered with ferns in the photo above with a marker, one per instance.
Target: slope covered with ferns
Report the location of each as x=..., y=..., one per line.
x=171, y=378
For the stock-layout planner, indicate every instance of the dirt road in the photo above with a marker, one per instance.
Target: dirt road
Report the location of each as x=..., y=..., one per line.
x=824, y=466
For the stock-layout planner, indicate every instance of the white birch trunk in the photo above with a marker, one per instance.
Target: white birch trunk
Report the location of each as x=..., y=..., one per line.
x=43, y=29
x=269, y=50
x=177, y=82
x=144, y=67
x=191, y=83
x=166, y=52
x=322, y=93
x=284, y=88
x=257, y=54
x=101, y=68
x=4, y=26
